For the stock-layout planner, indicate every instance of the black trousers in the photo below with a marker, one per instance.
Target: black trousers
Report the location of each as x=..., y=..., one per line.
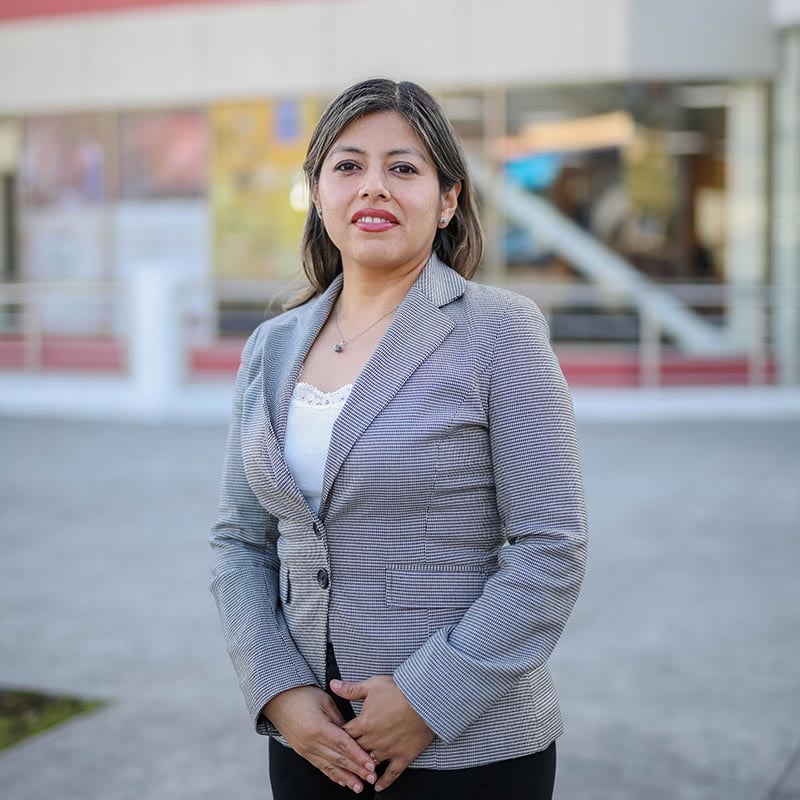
x=525, y=778
x=529, y=777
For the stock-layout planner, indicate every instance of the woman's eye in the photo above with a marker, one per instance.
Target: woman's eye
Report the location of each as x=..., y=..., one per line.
x=346, y=166
x=404, y=169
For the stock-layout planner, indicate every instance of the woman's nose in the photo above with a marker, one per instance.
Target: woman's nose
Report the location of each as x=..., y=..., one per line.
x=373, y=185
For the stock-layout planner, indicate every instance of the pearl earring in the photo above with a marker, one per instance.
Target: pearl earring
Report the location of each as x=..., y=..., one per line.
x=443, y=221
x=319, y=212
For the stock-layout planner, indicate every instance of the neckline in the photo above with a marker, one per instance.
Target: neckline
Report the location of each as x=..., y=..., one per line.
x=309, y=394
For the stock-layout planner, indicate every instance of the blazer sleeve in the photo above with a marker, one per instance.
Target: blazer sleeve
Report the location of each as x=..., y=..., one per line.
x=512, y=628
x=244, y=579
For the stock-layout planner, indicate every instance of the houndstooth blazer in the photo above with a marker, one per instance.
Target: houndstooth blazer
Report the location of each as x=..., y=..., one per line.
x=450, y=542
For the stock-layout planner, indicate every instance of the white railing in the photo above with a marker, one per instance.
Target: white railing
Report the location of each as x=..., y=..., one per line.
x=151, y=318
x=651, y=331
x=29, y=310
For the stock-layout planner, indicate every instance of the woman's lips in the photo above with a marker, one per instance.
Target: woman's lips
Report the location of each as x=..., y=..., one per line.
x=374, y=221
x=373, y=224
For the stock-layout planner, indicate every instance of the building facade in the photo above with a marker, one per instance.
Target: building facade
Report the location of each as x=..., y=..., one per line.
x=632, y=149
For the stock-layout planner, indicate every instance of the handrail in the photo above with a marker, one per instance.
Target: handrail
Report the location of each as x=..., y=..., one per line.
x=32, y=297
x=602, y=265
x=547, y=294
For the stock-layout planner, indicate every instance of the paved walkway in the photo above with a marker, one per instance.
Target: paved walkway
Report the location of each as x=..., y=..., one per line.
x=678, y=672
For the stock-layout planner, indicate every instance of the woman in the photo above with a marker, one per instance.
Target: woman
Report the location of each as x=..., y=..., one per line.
x=402, y=503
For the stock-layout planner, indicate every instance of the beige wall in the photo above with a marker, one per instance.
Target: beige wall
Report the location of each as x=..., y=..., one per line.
x=687, y=39
x=191, y=54
x=786, y=12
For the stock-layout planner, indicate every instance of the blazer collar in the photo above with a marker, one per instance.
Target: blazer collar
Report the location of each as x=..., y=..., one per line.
x=438, y=282
x=416, y=330
x=285, y=352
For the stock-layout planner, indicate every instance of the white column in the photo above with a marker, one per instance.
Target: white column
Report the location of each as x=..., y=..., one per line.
x=786, y=202
x=155, y=355
x=746, y=208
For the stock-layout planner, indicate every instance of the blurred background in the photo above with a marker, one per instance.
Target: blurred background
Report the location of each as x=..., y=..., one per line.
x=638, y=165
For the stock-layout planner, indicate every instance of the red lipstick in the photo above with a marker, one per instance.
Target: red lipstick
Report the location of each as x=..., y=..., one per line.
x=374, y=220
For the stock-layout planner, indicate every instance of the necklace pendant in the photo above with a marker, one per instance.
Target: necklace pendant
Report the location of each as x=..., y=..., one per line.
x=338, y=347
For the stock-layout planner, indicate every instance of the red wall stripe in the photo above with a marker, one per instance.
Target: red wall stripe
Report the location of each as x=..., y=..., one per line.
x=26, y=9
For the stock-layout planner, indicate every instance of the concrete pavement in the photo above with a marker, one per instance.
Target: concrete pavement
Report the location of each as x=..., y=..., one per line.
x=678, y=671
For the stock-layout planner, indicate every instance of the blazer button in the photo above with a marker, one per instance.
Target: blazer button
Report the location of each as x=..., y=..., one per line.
x=322, y=578
x=317, y=530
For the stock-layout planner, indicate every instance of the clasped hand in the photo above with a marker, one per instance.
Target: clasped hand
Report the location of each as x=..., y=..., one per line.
x=387, y=729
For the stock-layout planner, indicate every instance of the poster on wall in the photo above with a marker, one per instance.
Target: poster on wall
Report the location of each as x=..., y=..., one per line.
x=64, y=160
x=161, y=220
x=163, y=154
x=65, y=247
x=63, y=191
x=257, y=199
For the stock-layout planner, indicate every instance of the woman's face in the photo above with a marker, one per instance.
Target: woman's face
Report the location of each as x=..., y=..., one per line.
x=379, y=194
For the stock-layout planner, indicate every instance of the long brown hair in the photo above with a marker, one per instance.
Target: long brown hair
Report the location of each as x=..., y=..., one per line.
x=460, y=244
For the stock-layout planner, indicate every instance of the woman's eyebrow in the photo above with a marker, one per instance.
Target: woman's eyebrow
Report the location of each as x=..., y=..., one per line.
x=407, y=151
x=396, y=151
x=344, y=148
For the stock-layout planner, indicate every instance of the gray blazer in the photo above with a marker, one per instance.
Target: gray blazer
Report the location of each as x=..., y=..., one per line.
x=450, y=543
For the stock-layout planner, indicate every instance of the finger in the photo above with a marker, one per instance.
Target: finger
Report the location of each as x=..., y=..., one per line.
x=395, y=769
x=355, y=727
x=341, y=776
x=352, y=756
x=352, y=690
x=327, y=758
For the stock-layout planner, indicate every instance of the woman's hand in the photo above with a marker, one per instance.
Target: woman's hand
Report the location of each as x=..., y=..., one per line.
x=387, y=727
x=308, y=719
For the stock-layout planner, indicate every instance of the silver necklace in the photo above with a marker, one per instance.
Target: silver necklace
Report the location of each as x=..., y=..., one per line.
x=342, y=343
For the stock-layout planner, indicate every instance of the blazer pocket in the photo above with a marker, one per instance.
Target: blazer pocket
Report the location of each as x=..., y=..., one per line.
x=285, y=587
x=434, y=585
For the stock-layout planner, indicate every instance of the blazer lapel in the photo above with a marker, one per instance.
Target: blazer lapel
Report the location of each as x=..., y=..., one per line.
x=417, y=329
x=282, y=358
x=286, y=359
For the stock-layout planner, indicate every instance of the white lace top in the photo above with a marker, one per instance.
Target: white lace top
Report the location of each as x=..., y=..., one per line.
x=312, y=413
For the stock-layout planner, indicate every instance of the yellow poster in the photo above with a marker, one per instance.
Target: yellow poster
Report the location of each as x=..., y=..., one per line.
x=257, y=203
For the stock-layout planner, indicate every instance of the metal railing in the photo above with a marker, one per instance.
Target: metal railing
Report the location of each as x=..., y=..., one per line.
x=651, y=335
x=30, y=313
x=33, y=314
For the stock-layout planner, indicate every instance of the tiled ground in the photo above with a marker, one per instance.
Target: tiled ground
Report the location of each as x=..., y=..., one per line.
x=678, y=672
